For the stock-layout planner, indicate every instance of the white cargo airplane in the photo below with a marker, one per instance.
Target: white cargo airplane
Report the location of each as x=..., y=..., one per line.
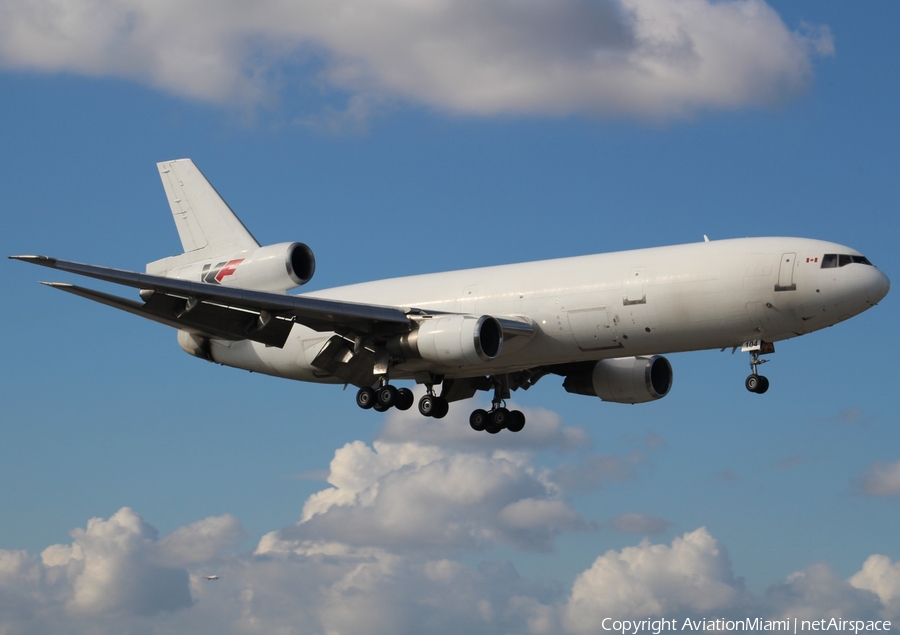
x=599, y=321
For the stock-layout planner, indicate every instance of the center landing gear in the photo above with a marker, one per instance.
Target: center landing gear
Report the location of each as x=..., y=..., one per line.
x=430, y=405
x=498, y=418
x=756, y=382
x=433, y=406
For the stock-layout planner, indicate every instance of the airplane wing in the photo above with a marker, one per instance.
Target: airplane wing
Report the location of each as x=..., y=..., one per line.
x=234, y=314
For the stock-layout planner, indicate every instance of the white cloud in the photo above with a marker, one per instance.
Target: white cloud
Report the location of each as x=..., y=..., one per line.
x=817, y=592
x=880, y=479
x=646, y=58
x=330, y=587
x=115, y=567
x=693, y=576
x=113, y=572
x=198, y=542
x=426, y=497
x=882, y=577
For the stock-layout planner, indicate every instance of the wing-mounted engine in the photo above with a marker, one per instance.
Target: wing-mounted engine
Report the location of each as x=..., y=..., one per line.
x=624, y=380
x=274, y=268
x=452, y=340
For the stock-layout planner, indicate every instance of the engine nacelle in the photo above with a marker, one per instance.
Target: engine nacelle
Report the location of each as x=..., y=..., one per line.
x=195, y=345
x=453, y=340
x=275, y=268
x=624, y=380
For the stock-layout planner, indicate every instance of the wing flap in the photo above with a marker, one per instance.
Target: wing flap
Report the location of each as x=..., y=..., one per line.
x=205, y=319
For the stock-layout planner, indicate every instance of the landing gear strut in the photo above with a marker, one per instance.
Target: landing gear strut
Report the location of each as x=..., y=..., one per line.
x=756, y=382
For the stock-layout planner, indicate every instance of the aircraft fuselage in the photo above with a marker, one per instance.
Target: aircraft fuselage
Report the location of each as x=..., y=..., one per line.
x=696, y=296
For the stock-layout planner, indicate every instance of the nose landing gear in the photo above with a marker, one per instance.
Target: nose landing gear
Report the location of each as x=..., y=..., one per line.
x=756, y=382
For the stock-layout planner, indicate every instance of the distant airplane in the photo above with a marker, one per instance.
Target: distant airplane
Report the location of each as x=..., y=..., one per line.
x=211, y=577
x=601, y=321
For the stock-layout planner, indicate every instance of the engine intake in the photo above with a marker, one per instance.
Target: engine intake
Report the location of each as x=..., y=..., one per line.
x=453, y=340
x=624, y=380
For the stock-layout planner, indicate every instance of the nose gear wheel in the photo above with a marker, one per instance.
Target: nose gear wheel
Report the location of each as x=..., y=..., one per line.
x=756, y=382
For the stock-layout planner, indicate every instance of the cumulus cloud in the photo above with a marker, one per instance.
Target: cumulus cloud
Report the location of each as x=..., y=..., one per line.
x=113, y=567
x=880, y=479
x=817, y=592
x=429, y=497
x=882, y=577
x=652, y=59
x=692, y=576
x=325, y=586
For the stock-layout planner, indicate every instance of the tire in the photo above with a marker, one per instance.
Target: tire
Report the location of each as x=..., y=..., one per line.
x=500, y=418
x=426, y=406
x=405, y=399
x=752, y=383
x=517, y=421
x=479, y=420
x=365, y=398
x=387, y=396
x=763, y=385
x=441, y=408
x=380, y=407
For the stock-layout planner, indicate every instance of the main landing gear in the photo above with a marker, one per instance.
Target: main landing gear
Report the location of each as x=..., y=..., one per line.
x=384, y=398
x=756, y=382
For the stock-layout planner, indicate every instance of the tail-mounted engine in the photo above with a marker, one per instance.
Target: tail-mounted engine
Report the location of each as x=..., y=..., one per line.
x=452, y=340
x=624, y=380
x=274, y=268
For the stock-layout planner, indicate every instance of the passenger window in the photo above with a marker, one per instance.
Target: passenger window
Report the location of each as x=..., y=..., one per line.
x=829, y=261
x=844, y=260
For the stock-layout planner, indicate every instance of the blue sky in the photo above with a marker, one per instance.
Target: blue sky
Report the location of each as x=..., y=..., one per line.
x=396, y=143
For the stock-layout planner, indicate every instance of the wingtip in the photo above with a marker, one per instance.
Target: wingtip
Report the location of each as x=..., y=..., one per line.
x=45, y=261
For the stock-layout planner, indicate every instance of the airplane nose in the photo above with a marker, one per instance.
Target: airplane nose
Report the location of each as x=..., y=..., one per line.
x=877, y=287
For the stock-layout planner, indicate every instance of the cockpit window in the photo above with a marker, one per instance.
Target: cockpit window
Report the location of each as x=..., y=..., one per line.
x=830, y=261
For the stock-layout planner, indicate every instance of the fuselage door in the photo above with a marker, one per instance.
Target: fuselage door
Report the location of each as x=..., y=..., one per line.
x=786, y=273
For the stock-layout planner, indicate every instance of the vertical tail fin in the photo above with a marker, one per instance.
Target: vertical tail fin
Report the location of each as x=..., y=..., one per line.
x=206, y=225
